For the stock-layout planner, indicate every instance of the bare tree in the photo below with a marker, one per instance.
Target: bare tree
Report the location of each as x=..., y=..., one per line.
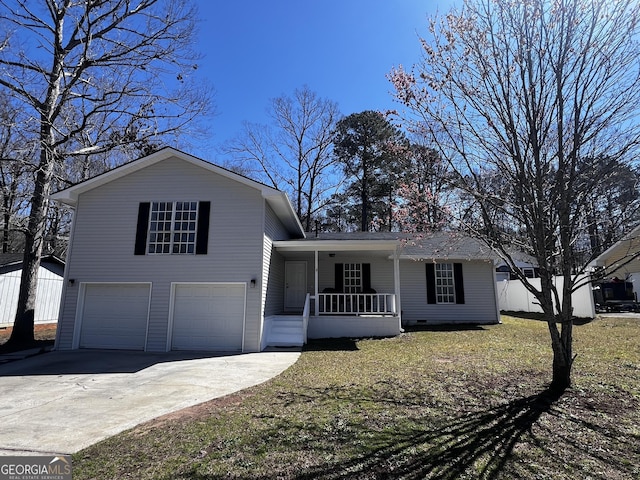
x=15, y=152
x=294, y=151
x=72, y=66
x=523, y=92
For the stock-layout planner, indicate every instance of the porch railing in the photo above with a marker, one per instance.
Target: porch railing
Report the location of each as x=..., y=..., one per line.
x=357, y=303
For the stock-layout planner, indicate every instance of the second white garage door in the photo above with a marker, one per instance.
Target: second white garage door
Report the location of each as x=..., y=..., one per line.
x=208, y=317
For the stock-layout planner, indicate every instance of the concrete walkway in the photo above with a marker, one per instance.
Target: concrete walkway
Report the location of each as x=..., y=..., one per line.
x=62, y=402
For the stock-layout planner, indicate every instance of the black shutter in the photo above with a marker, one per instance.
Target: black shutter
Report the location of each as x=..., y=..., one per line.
x=459, y=285
x=431, y=283
x=141, y=229
x=339, y=277
x=202, y=235
x=366, y=278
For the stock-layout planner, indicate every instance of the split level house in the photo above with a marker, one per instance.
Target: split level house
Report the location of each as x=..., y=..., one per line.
x=170, y=252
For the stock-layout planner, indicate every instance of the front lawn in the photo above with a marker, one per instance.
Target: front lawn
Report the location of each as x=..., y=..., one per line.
x=442, y=404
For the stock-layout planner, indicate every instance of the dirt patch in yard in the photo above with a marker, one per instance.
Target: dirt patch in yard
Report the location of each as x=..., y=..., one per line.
x=45, y=335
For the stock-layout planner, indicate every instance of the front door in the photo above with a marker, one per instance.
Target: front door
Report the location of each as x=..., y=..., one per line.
x=295, y=289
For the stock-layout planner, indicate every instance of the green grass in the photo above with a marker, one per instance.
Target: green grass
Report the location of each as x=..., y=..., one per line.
x=429, y=404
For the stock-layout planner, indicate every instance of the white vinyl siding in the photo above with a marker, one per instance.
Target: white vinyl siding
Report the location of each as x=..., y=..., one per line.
x=381, y=270
x=274, y=280
x=272, y=285
x=107, y=217
x=479, y=288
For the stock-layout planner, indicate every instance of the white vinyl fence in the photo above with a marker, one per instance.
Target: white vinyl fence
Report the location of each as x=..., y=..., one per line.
x=514, y=297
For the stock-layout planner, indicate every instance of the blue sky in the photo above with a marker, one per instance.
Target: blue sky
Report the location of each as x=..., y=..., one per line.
x=255, y=50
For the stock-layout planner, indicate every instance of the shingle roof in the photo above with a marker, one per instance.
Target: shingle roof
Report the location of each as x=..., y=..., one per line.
x=15, y=258
x=445, y=245
x=10, y=258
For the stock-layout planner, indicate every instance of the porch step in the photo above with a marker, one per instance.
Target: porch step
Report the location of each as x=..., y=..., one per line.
x=287, y=324
x=286, y=332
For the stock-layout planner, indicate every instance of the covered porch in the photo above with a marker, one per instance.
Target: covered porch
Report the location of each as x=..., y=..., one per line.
x=338, y=287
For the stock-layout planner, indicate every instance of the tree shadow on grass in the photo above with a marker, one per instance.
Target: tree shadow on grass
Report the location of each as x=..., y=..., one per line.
x=540, y=317
x=410, y=435
x=477, y=444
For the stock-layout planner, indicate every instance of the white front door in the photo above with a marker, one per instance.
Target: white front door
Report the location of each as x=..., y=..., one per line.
x=295, y=289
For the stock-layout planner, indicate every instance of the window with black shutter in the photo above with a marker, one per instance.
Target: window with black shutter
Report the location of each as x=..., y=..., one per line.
x=445, y=283
x=353, y=278
x=172, y=228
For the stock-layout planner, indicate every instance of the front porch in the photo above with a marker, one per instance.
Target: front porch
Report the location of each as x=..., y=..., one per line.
x=355, y=320
x=334, y=288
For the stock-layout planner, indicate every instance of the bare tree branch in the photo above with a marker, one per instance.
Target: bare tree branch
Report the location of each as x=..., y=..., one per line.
x=98, y=77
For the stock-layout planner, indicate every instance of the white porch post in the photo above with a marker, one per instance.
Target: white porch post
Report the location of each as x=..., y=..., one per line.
x=396, y=282
x=316, y=297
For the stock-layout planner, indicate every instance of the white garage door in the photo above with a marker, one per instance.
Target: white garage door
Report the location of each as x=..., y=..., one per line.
x=208, y=317
x=115, y=316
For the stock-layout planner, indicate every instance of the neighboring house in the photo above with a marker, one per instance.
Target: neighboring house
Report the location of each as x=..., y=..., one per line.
x=622, y=259
x=48, y=294
x=504, y=272
x=619, y=272
x=170, y=252
x=525, y=263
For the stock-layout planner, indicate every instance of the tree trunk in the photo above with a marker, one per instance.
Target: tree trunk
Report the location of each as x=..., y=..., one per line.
x=25, y=314
x=364, y=195
x=561, y=343
x=6, y=223
x=561, y=339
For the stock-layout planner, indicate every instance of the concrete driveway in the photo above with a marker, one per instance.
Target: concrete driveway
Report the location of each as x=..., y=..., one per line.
x=62, y=402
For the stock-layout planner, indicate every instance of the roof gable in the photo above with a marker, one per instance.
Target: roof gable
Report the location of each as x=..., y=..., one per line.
x=278, y=200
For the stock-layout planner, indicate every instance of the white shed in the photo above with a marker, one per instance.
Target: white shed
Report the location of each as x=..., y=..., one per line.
x=49, y=288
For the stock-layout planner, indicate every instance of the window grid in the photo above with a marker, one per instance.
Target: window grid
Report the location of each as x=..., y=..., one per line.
x=172, y=227
x=445, y=287
x=352, y=277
